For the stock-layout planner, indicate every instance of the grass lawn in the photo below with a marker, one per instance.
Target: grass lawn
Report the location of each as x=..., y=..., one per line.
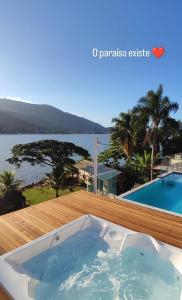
x=40, y=194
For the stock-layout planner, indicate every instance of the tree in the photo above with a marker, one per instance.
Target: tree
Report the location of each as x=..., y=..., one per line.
x=112, y=156
x=56, y=179
x=127, y=135
x=8, y=183
x=12, y=197
x=128, y=132
x=122, y=133
x=173, y=145
x=170, y=136
x=140, y=165
x=156, y=109
x=58, y=155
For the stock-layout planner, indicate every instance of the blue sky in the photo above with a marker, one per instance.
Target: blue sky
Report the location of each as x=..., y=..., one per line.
x=46, y=53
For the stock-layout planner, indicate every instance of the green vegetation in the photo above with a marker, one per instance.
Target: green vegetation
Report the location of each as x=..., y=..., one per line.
x=156, y=109
x=140, y=166
x=60, y=181
x=143, y=135
x=38, y=194
x=128, y=132
x=11, y=197
x=55, y=154
x=8, y=183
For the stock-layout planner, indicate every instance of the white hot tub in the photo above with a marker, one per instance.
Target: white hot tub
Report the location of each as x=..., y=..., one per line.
x=90, y=259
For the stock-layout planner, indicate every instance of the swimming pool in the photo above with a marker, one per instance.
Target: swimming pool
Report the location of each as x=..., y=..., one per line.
x=93, y=259
x=164, y=193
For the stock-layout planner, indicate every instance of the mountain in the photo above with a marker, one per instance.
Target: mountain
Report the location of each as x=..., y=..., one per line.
x=21, y=117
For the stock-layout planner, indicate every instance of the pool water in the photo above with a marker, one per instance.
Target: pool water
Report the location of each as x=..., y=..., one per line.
x=166, y=193
x=84, y=268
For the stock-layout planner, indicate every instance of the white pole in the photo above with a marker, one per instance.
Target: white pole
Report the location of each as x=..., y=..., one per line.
x=95, y=164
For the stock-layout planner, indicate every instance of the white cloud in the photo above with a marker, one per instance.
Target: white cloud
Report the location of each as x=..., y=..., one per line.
x=16, y=99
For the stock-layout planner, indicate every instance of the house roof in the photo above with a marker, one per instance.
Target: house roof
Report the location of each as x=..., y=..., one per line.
x=103, y=172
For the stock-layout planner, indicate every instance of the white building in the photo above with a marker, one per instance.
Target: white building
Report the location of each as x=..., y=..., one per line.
x=107, y=178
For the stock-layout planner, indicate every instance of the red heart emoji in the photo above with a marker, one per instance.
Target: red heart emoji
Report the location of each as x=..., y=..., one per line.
x=158, y=52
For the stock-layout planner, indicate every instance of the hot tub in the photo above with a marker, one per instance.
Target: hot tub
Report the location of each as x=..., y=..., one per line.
x=93, y=259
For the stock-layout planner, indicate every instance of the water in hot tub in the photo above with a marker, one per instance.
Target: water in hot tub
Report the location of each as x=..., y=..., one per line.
x=85, y=268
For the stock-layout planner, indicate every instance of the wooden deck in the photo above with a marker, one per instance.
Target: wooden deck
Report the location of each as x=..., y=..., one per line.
x=22, y=226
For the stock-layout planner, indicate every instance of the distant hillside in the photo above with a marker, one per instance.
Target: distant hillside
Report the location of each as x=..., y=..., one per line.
x=20, y=117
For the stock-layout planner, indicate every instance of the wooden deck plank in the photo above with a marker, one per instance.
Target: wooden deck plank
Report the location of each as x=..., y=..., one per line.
x=3, y=295
x=27, y=224
x=134, y=217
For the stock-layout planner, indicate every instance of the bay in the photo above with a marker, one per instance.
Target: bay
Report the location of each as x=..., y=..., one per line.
x=30, y=174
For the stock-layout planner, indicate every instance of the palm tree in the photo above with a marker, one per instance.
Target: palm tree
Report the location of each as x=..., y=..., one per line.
x=157, y=109
x=142, y=161
x=57, y=179
x=8, y=183
x=168, y=133
x=122, y=133
x=140, y=165
x=128, y=132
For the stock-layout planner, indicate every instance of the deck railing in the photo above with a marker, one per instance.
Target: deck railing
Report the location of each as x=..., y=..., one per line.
x=175, y=167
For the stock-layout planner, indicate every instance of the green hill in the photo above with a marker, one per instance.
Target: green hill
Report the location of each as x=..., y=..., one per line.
x=21, y=117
